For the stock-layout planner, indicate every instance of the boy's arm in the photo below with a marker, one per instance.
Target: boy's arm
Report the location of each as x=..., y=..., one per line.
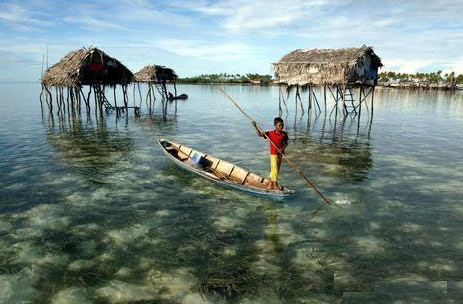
x=285, y=144
x=258, y=130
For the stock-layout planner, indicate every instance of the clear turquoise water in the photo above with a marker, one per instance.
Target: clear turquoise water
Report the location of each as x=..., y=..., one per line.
x=91, y=211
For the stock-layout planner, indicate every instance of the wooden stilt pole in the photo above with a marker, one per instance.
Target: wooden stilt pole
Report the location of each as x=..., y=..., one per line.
x=76, y=97
x=79, y=100
x=324, y=96
x=298, y=96
x=360, y=109
x=372, y=100
x=283, y=99
x=310, y=97
x=115, y=99
x=154, y=95
x=72, y=101
x=133, y=94
x=126, y=97
x=95, y=99
x=40, y=97
x=316, y=102
x=371, y=116
x=148, y=94
x=51, y=99
x=159, y=90
x=139, y=92
x=83, y=97
x=88, y=97
x=345, y=111
x=57, y=100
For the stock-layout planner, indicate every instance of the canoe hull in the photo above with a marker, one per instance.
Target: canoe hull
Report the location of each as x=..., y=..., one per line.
x=272, y=194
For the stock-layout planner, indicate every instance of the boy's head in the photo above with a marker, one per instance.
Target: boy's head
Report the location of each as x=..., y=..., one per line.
x=278, y=123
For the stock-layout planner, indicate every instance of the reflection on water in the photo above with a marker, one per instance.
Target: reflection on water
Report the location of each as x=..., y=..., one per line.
x=92, y=212
x=88, y=145
x=341, y=146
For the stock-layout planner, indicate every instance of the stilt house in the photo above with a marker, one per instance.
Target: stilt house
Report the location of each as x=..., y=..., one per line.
x=157, y=75
x=86, y=67
x=329, y=67
x=337, y=70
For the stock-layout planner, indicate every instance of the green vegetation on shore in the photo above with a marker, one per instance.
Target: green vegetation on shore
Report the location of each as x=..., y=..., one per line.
x=384, y=77
x=227, y=78
x=433, y=77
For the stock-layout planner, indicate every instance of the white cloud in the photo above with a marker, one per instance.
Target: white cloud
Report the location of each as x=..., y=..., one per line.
x=406, y=65
x=455, y=66
x=249, y=15
x=94, y=23
x=207, y=49
x=153, y=13
x=13, y=13
x=20, y=18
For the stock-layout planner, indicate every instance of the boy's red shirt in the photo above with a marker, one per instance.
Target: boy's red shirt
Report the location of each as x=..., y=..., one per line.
x=280, y=140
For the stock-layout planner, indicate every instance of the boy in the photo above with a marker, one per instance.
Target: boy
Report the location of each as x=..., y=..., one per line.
x=280, y=140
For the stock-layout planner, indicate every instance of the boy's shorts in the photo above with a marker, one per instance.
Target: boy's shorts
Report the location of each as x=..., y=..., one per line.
x=275, y=163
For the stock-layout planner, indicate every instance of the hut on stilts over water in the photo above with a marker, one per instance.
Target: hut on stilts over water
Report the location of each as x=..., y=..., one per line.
x=157, y=76
x=86, y=67
x=337, y=71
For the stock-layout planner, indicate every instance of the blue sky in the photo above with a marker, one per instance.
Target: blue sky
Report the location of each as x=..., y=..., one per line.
x=242, y=36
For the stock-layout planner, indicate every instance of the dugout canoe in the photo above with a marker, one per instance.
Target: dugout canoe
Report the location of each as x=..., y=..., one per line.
x=219, y=171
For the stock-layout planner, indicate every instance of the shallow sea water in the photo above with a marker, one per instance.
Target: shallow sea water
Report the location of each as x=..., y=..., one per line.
x=91, y=211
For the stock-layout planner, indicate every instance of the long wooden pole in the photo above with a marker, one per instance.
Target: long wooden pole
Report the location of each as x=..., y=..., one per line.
x=293, y=165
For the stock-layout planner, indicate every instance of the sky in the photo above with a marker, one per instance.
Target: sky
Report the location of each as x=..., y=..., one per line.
x=234, y=37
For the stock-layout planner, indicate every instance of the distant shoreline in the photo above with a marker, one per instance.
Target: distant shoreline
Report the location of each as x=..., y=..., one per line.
x=403, y=87
x=394, y=86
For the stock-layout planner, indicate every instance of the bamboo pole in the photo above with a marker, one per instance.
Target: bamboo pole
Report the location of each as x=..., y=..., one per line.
x=290, y=162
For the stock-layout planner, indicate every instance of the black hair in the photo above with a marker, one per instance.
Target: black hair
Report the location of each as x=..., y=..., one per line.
x=276, y=120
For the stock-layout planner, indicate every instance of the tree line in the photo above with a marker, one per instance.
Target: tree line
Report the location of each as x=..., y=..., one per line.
x=384, y=77
x=433, y=77
x=227, y=78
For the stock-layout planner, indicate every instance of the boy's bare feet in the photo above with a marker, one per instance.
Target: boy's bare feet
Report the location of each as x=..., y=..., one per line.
x=274, y=186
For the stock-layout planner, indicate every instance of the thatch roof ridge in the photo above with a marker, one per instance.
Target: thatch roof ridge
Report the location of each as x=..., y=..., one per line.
x=68, y=71
x=321, y=56
x=155, y=73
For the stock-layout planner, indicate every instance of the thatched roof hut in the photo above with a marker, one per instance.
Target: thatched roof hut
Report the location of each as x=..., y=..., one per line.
x=87, y=66
x=155, y=73
x=329, y=67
